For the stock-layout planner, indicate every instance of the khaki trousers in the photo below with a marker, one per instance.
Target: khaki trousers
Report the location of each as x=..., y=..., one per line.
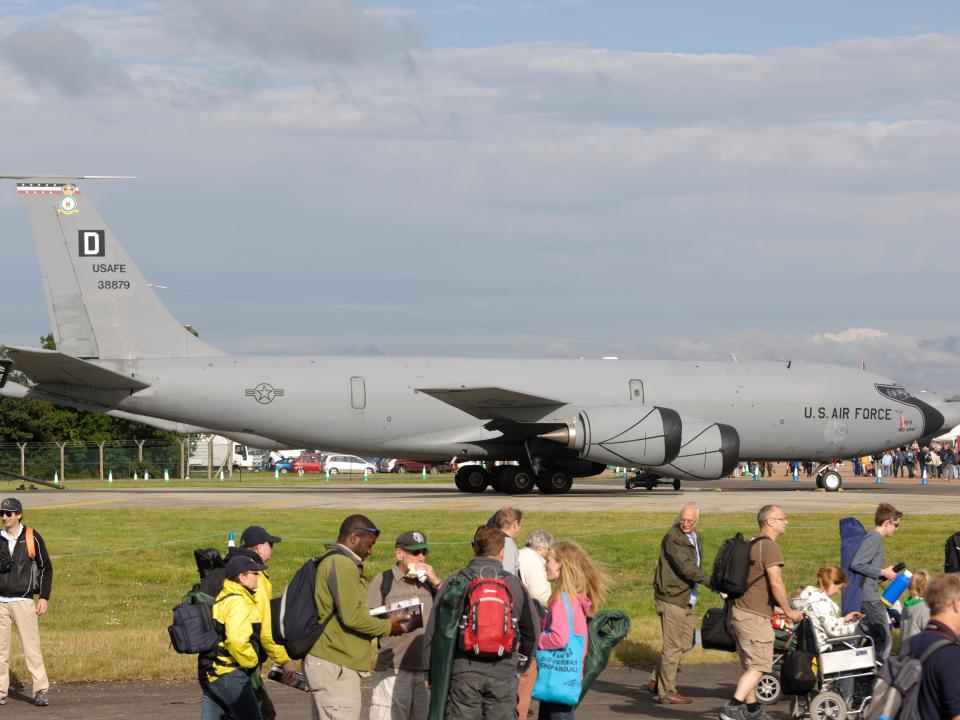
x=399, y=695
x=678, y=625
x=23, y=614
x=335, y=690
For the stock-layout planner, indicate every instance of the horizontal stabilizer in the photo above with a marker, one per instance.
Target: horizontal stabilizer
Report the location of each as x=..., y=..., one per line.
x=49, y=367
x=489, y=402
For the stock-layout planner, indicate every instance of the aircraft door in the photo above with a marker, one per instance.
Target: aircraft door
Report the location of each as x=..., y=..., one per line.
x=636, y=391
x=358, y=393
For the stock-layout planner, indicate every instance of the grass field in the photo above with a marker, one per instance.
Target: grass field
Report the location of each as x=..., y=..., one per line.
x=119, y=572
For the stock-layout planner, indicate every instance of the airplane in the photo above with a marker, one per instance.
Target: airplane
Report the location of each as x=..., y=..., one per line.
x=513, y=424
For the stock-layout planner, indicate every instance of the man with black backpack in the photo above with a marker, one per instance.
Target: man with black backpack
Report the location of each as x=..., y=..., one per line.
x=751, y=613
x=497, y=636
x=25, y=571
x=399, y=691
x=342, y=651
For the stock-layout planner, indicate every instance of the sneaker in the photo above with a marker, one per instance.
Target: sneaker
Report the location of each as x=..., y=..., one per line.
x=733, y=712
x=40, y=699
x=3, y=700
x=758, y=715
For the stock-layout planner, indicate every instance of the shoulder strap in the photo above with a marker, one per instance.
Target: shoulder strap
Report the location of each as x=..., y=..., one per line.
x=386, y=583
x=31, y=544
x=939, y=644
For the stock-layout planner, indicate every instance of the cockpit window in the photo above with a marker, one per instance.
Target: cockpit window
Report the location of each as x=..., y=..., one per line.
x=894, y=392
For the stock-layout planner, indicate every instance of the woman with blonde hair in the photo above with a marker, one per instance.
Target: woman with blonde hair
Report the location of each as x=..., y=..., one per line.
x=816, y=602
x=580, y=587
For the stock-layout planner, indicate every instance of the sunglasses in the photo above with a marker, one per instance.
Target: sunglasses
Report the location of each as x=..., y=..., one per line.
x=373, y=531
x=8, y=513
x=417, y=552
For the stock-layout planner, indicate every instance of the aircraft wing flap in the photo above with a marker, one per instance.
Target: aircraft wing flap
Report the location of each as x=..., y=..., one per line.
x=489, y=402
x=49, y=367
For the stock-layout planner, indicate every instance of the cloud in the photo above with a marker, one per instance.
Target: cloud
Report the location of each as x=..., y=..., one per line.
x=62, y=58
x=309, y=30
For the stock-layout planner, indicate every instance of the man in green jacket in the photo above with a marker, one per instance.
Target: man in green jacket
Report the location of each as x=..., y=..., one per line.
x=676, y=586
x=343, y=651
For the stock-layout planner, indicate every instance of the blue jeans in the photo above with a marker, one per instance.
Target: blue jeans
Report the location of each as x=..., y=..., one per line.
x=554, y=711
x=233, y=691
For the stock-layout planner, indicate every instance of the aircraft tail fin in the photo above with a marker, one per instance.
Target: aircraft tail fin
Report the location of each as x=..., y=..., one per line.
x=99, y=302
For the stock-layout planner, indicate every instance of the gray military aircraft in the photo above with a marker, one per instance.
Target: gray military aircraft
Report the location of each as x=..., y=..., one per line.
x=119, y=351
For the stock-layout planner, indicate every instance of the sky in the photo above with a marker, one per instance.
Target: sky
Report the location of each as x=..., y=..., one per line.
x=551, y=178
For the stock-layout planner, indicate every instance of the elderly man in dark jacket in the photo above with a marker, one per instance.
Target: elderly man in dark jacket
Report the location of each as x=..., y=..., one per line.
x=676, y=586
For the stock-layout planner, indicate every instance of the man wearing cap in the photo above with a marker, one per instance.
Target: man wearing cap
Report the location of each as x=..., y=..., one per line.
x=25, y=571
x=399, y=692
x=342, y=652
x=226, y=672
x=258, y=544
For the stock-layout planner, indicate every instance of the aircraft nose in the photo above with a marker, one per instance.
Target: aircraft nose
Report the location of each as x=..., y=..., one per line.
x=933, y=420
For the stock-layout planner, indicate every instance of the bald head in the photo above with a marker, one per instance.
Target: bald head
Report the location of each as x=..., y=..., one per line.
x=688, y=517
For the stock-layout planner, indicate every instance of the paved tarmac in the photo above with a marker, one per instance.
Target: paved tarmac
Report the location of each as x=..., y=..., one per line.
x=595, y=495
x=618, y=693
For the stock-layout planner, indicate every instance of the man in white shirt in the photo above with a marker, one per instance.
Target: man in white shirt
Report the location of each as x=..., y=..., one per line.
x=532, y=560
x=509, y=520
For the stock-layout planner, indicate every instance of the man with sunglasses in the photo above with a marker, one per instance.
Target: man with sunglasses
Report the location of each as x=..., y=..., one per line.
x=334, y=664
x=868, y=562
x=25, y=571
x=399, y=692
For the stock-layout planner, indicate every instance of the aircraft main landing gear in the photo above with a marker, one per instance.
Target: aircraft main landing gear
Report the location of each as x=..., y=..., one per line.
x=471, y=479
x=829, y=478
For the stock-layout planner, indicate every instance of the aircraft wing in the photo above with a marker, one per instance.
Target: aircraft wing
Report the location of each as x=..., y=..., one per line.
x=49, y=367
x=489, y=403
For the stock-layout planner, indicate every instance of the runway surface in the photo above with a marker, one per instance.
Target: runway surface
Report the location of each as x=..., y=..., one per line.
x=619, y=692
x=588, y=495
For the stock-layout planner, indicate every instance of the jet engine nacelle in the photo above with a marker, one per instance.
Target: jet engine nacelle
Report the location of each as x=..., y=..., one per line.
x=633, y=436
x=708, y=451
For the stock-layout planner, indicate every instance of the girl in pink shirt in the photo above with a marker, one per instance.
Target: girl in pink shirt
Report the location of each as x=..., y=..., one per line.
x=584, y=586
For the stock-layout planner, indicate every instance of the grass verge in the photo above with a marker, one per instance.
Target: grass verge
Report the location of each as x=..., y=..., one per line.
x=118, y=572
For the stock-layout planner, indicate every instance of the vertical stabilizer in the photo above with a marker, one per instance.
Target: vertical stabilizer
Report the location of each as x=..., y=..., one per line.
x=100, y=304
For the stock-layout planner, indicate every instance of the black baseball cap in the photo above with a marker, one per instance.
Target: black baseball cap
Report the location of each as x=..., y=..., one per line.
x=11, y=504
x=256, y=535
x=412, y=540
x=239, y=564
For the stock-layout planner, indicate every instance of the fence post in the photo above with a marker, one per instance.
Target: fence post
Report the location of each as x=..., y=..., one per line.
x=100, y=445
x=183, y=471
x=210, y=458
x=23, y=458
x=63, y=475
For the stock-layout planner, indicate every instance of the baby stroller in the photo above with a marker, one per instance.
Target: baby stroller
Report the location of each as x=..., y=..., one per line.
x=769, y=688
x=846, y=670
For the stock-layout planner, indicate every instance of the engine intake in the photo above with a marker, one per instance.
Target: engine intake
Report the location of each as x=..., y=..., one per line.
x=634, y=436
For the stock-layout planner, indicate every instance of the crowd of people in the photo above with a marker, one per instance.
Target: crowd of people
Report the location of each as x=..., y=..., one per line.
x=469, y=644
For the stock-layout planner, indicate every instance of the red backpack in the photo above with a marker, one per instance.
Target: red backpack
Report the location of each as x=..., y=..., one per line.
x=488, y=627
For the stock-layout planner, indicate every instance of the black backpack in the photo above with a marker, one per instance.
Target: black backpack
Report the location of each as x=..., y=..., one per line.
x=293, y=615
x=194, y=629
x=951, y=554
x=732, y=566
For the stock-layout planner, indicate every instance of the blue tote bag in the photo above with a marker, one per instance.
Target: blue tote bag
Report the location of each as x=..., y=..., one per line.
x=560, y=672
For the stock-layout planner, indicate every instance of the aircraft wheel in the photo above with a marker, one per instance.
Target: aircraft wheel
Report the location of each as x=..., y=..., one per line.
x=515, y=479
x=828, y=706
x=676, y=485
x=831, y=481
x=471, y=479
x=401, y=469
x=819, y=481
x=334, y=471
x=768, y=689
x=554, y=482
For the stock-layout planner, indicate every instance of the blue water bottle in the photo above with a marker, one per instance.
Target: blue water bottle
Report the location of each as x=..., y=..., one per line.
x=231, y=540
x=896, y=588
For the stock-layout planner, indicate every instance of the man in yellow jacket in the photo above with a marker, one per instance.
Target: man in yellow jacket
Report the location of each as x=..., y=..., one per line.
x=226, y=672
x=256, y=542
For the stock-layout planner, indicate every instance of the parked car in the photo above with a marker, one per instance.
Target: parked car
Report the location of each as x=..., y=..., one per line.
x=308, y=462
x=397, y=465
x=335, y=464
